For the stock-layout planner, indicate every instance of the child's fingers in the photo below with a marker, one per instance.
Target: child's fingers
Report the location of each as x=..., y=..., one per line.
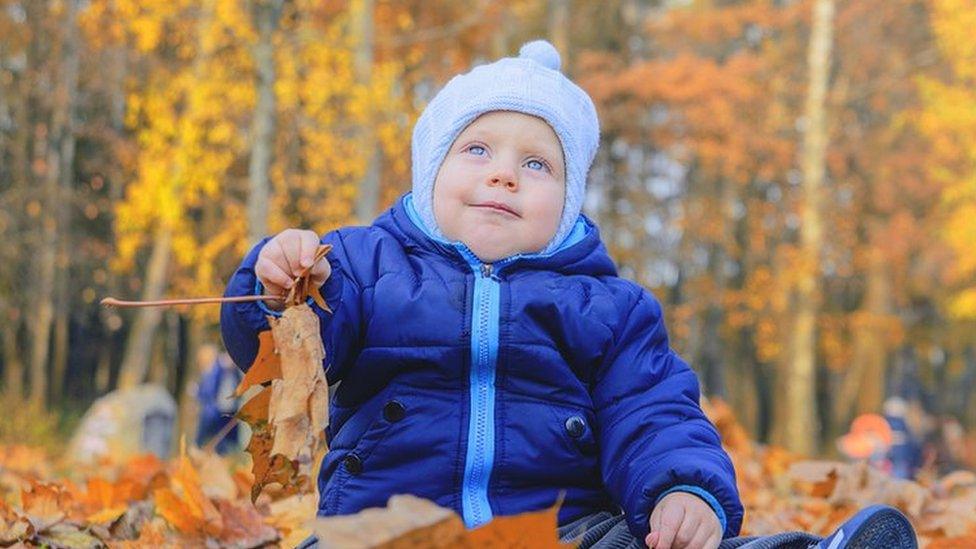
x=713, y=541
x=688, y=530
x=289, y=244
x=272, y=276
x=701, y=537
x=321, y=272
x=651, y=539
x=308, y=245
x=671, y=519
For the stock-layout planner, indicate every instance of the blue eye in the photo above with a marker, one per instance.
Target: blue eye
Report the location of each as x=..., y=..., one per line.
x=536, y=165
x=477, y=149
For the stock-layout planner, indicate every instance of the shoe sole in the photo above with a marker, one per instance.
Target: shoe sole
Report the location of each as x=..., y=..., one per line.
x=886, y=529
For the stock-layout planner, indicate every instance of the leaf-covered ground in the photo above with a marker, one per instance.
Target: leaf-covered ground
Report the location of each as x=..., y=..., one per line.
x=200, y=499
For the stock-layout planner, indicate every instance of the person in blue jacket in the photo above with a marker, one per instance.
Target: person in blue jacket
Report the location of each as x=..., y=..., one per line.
x=488, y=356
x=215, y=395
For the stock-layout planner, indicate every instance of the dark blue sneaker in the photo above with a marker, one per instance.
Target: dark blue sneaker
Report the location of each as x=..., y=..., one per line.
x=877, y=526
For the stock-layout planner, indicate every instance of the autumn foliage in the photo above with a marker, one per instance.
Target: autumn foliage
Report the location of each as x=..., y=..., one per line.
x=200, y=498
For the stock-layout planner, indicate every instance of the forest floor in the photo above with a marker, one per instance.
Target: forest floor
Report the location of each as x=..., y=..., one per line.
x=201, y=499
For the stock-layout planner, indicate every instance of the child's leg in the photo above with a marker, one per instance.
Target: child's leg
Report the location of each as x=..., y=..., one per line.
x=785, y=540
x=602, y=530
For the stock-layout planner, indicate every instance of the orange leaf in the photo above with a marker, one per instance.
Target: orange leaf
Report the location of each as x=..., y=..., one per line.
x=44, y=504
x=528, y=530
x=184, y=505
x=104, y=501
x=266, y=366
x=255, y=410
x=319, y=300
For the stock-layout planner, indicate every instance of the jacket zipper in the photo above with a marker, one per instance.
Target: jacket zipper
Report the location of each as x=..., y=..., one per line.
x=480, y=456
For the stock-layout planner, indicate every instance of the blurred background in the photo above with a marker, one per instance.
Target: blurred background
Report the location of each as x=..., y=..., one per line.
x=794, y=180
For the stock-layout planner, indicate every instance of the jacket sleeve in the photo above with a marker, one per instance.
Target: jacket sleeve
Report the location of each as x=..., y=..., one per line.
x=654, y=438
x=240, y=323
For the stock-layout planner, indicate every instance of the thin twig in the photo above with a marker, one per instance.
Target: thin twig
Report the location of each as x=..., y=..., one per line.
x=211, y=445
x=112, y=302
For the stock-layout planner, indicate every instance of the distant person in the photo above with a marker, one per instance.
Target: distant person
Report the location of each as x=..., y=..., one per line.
x=905, y=453
x=869, y=440
x=219, y=378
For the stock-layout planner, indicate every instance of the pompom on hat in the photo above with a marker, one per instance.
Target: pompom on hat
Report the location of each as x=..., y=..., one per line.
x=531, y=84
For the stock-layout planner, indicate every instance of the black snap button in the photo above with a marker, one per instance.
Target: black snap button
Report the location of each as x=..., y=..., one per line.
x=353, y=464
x=393, y=411
x=575, y=426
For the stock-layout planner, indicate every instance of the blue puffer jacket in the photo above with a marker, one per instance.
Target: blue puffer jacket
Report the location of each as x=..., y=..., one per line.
x=492, y=388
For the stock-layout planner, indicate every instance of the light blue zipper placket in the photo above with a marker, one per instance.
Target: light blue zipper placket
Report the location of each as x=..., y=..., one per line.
x=476, y=510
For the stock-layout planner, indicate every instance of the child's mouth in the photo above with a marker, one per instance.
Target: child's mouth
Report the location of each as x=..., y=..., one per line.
x=497, y=207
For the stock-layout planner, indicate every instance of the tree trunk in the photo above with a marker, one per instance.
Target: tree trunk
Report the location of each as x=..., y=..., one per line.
x=139, y=348
x=13, y=366
x=559, y=29
x=367, y=202
x=111, y=321
x=266, y=15
x=862, y=388
x=66, y=99
x=15, y=304
x=801, y=423
x=40, y=325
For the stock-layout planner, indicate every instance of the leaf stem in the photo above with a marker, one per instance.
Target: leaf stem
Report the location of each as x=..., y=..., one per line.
x=112, y=302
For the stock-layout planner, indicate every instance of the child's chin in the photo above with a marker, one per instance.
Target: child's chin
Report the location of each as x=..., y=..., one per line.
x=489, y=251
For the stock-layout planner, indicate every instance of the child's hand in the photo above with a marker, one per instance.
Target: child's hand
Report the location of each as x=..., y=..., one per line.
x=283, y=258
x=683, y=520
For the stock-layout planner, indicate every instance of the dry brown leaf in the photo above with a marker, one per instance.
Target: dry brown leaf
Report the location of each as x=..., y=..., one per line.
x=243, y=526
x=290, y=516
x=153, y=535
x=964, y=541
x=298, y=410
x=67, y=535
x=184, y=505
x=13, y=526
x=288, y=419
x=45, y=504
x=211, y=466
x=406, y=522
x=268, y=469
x=131, y=523
x=302, y=287
x=816, y=479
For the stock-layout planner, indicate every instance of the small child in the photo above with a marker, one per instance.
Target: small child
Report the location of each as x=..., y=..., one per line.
x=490, y=358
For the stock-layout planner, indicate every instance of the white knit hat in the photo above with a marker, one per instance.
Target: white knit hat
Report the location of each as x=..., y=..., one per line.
x=530, y=83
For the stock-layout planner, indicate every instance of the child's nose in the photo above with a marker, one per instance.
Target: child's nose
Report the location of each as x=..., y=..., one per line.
x=504, y=178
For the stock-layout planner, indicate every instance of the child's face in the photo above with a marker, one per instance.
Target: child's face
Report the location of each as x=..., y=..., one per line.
x=502, y=186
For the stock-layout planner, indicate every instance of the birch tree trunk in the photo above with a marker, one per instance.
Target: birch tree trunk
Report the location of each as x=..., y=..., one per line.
x=139, y=346
x=54, y=148
x=367, y=202
x=266, y=16
x=111, y=321
x=559, y=29
x=801, y=425
x=66, y=99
